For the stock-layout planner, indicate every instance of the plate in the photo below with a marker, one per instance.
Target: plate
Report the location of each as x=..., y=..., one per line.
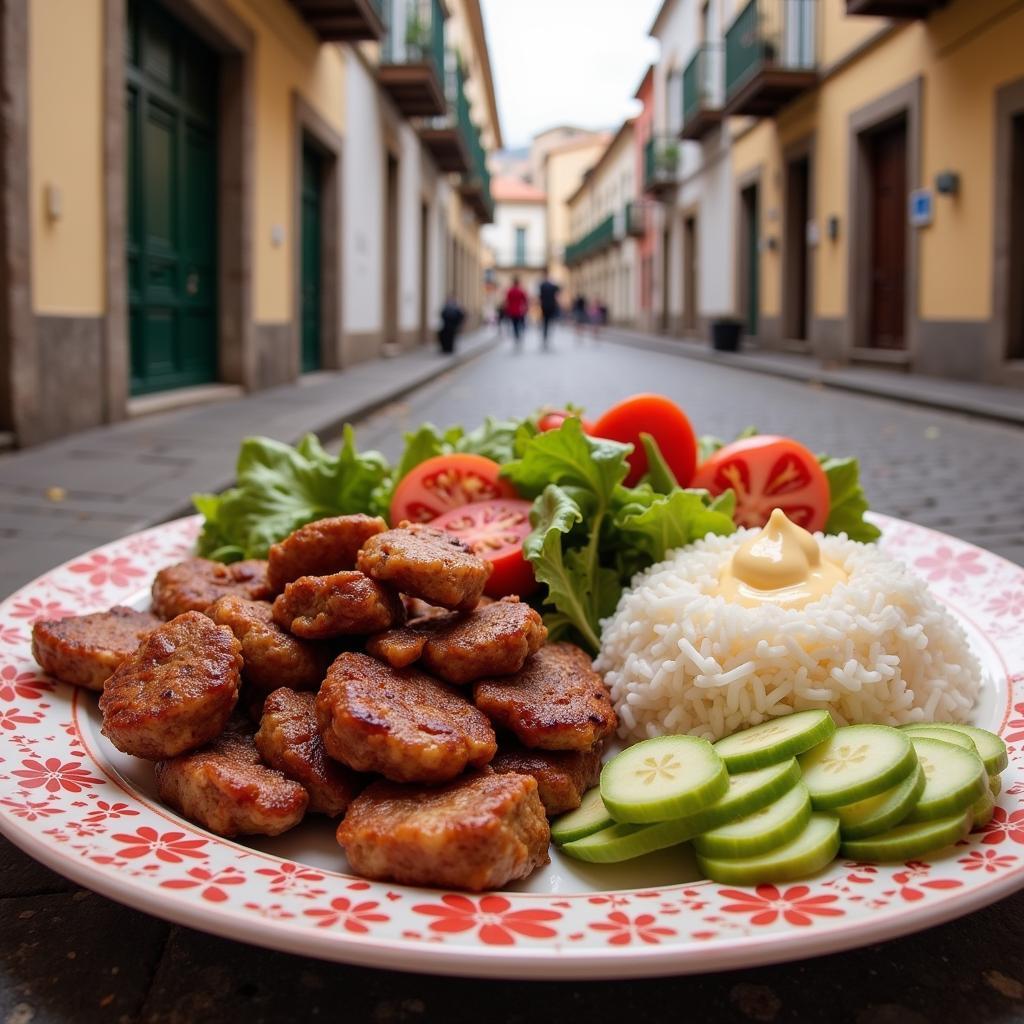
x=74, y=803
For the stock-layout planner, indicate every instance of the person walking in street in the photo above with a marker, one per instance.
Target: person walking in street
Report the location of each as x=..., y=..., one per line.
x=579, y=315
x=452, y=316
x=516, y=306
x=549, y=307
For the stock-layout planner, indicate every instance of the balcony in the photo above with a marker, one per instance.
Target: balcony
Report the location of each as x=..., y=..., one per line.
x=520, y=257
x=702, y=92
x=894, y=8
x=447, y=137
x=769, y=56
x=412, y=60
x=593, y=242
x=343, y=21
x=475, y=187
x=661, y=165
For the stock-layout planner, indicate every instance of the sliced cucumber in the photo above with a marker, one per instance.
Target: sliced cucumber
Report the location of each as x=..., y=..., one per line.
x=856, y=762
x=880, y=813
x=775, y=740
x=982, y=809
x=991, y=748
x=663, y=779
x=811, y=850
x=764, y=830
x=906, y=842
x=624, y=842
x=954, y=779
x=995, y=783
x=940, y=732
x=590, y=816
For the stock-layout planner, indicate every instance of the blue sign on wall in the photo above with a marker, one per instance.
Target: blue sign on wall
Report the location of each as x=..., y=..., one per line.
x=921, y=204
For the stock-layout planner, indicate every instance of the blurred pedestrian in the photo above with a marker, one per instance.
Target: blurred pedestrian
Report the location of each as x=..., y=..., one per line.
x=452, y=316
x=579, y=314
x=502, y=316
x=550, y=310
x=516, y=305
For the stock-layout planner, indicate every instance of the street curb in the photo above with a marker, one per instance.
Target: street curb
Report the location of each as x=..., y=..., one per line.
x=897, y=389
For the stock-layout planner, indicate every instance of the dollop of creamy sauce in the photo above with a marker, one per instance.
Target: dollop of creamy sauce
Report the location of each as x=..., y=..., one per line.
x=782, y=564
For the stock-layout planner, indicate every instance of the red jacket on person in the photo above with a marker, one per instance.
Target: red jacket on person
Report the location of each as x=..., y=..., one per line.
x=516, y=302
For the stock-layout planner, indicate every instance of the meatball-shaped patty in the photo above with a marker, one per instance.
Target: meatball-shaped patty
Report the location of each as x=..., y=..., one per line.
x=289, y=740
x=402, y=646
x=344, y=604
x=556, y=701
x=426, y=563
x=321, y=548
x=176, y=692
x=401, y=723
x=226, y=789
x=84, y=649
x=478, y=832
x=271, y=657
x=193, y=585
x=563, y=776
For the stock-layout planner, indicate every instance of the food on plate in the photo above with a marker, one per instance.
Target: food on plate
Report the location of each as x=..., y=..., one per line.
x=591, y=816
x=320, y=548
x=403, y=646
x=766, y=829
x=271, y=657
x=401, y=723
x=954, y=779
x=657, y=417
x=991, y=749
x=424, y=562
x=556, y=701
x=444, y=482
x=910, y=841
x=85, y=649
x=563, y=776
x=342, y=604
x=775, y=740
x=289, y=740
x=878, y=813
x=478, y=832
x=552, y=419
x=193, y=585
x=176, y=692
x=224, y=787
x=680, y=655
x=495, y=530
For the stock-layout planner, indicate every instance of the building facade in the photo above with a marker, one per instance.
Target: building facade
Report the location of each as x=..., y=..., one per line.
x=518, y=238
x=185, y=204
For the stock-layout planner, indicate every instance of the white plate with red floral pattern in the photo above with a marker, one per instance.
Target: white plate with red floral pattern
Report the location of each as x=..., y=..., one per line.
x=74, y=803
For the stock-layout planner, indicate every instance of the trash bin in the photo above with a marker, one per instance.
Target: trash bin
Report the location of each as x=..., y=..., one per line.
x=726, y=334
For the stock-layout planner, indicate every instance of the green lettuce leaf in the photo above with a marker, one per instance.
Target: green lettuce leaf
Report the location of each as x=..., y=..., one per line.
x=673, y=521
x=659, y=474
x=847, y=500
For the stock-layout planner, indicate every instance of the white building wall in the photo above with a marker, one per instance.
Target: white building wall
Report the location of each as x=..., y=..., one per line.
x=500, y=237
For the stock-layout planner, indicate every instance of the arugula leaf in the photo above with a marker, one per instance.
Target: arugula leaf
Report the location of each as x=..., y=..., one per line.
x=847, y=499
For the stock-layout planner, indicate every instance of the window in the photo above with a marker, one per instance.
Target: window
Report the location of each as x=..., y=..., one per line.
x=520, y=246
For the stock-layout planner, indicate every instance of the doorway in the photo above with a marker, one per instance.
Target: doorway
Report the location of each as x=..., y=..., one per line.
x=311, y=244
x=1015, y=242
x=796, y=263
x=424, y=269
x=390, y=319
x=690, y=274
x=171, y=82
x=666, y=264
x=887, y=247
x=750, y=258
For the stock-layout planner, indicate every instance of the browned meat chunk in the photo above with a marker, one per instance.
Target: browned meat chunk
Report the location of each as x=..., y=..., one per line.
x=478, y=832
x=226, y=789
x=344, y=604
x=272, y=657
x=321, y=548
x=84, y=649
x=563, y=776
x=404, y=645
x=494, y=640
x=555, y=702
x=426, y=563
x=176, y=692
x=289, y=740
x=193, y=585
x=401, y=723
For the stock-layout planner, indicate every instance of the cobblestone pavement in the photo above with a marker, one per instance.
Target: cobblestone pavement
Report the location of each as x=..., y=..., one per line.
x=70, y=956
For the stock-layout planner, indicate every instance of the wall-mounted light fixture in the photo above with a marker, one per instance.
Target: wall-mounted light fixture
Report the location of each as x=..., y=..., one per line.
x=832, y=227
x=54, y=202
x=947, y=183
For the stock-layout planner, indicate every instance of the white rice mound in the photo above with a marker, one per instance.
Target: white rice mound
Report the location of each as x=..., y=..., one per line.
x=678, y=658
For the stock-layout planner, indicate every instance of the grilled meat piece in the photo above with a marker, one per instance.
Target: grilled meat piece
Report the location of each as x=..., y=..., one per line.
x=563, y=776
x=343, y=604
x=193, y=585
x=320, y=548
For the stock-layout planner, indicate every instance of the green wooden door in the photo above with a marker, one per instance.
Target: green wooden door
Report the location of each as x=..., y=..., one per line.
x=310, y=273
x=171, y=145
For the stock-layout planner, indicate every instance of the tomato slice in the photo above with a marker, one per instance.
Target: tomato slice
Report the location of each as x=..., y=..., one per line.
x=768, y=472
x=665, y=422
x=446, y=482
x=556, y=417
x=495, y=530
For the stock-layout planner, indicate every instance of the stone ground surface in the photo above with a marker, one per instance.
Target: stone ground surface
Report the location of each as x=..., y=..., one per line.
x=67, y=955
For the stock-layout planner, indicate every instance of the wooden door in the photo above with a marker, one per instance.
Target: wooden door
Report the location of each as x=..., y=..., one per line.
x=751, y=258
x=666, y=263
x=690, y=273
x=424, y=270
x=795, y=255
x=311, y=242
x=887, y=159
x=391, y=252
x=171, y=175
x=1015, y=247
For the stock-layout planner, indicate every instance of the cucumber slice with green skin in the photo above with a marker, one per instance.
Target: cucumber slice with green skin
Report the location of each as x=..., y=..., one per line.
x=940, y=732
x=954, y=779
x=991, y=748
x=811, y=850
x=883, y=812
x=764, y=830
x=995, y=783
x=775, y=740
x=590, y=816
x=982, y=810
x=663, y=779
x=624, y=842
x=856, y=762
x=908, y=842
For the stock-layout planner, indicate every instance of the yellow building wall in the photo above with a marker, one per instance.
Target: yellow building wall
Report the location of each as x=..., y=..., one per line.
x=65, y=82
x=838, y=34
x=565, y=169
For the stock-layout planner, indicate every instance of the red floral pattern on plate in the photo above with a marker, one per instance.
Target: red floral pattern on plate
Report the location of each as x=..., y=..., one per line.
x=497, y=923
x=766, y=903
x=344, y=913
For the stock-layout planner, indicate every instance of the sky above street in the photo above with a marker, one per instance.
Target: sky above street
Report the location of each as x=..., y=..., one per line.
x=566, y=61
